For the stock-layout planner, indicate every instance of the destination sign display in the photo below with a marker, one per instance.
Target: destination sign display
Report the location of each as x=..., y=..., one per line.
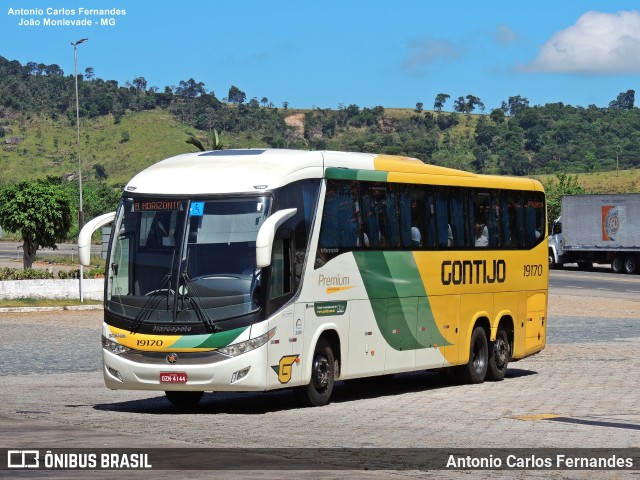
x=156, y=205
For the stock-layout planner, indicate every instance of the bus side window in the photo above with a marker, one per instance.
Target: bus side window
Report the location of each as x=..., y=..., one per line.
x=417, y=218
x=280, y=282
x=340, y=229
x=493, y=220
x=430, y=216
x=445, y=234
x=481, y=207
x=374, y=207
x=512, y=219
x=457, y=217
x=534, y=218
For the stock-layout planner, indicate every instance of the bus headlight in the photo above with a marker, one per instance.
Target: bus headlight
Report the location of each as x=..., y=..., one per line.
x=114, y=347
x=248, y=345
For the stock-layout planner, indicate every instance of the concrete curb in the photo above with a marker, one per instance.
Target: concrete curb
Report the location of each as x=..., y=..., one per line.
x=49, y=309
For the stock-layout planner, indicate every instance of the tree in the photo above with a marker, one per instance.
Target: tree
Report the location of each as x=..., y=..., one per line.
x=140, y=84
x=461, y=106
x=514, y=105
x=40, y=211
x=556, y=189
x=213, y=142
x=236, y=95
x=419, y=107
x=497, y=115
x=624, y=101
x=100, y=172
x=467, y=104
x=190, y=88
x=441, y=98
x=473, y=102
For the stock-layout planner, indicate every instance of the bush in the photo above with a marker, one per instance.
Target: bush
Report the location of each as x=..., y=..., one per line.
x=40, y=274
x=97, y=272
x=20, y=274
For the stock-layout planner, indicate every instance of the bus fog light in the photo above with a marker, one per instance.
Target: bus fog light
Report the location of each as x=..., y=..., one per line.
x=114, y=373
x=239, y=375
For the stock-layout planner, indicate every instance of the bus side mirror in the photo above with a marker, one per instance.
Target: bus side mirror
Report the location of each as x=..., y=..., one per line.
x=84, y=239
x=266, y=234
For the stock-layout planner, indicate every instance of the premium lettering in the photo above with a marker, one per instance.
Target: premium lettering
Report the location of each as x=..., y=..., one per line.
x=336, y=281
x=473, y=272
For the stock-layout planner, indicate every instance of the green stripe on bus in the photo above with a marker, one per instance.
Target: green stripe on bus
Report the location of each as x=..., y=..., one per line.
x=353, y=174
x=398, y=299
x=214, y=340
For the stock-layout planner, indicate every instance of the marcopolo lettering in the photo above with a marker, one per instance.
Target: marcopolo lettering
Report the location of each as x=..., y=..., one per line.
x=469, y=272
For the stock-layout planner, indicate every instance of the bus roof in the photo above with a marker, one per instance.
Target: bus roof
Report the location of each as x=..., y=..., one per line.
x=254, y=170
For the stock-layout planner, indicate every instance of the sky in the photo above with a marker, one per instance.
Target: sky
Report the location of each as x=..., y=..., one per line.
x=328, y=53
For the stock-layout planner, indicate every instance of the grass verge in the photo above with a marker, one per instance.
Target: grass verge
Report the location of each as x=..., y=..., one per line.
x=45, y=302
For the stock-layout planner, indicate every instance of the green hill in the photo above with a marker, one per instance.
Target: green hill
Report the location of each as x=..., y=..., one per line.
x=49, y=147
x=125, y=128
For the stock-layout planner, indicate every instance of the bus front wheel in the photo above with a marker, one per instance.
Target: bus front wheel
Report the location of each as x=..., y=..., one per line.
x=318, y=392
x=499, y=356
x=476, y=369
x=184, y=399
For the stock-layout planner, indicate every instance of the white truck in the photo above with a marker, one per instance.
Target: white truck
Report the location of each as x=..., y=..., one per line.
x=603, y=229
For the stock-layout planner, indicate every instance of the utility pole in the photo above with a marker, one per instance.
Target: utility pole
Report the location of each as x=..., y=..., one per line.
x=80, y=211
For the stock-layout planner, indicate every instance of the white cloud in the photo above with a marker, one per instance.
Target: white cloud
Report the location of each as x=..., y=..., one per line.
x=504, y=35
x=428, y=51
x=599, y=43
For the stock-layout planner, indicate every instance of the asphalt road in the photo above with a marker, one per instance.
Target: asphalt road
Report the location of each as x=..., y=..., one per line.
x=599, y=282
x=13, y=250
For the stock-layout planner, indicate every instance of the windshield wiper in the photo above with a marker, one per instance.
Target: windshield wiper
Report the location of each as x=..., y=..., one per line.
x=154, y=298
x=194, y=299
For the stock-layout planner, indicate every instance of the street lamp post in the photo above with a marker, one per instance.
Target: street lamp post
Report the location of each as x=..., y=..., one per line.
x=80, y=212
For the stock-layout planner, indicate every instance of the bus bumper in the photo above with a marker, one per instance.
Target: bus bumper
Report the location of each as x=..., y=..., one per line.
x=245, y=372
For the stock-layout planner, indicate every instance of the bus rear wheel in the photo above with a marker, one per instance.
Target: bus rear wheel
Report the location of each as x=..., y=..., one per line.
x=319, y=390
x=499, y=356
x=184, y=399
x=476, y=369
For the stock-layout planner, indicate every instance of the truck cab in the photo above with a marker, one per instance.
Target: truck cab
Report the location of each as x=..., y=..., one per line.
x=556, y=250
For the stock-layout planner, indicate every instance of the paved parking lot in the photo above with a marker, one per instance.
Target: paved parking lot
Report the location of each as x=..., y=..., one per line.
x=581, y=391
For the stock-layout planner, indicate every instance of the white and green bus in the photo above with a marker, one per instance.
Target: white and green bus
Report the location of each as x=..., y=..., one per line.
x=256, y=270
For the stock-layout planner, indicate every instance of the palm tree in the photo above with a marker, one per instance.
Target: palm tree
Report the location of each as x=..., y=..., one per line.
x=213, y=143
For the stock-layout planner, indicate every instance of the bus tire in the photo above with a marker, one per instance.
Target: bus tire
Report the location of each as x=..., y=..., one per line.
x=476, y=369
x=499, y=356
x=319, y=389
x=184, y=399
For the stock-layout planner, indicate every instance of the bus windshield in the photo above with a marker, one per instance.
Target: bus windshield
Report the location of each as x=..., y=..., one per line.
x=185, y=260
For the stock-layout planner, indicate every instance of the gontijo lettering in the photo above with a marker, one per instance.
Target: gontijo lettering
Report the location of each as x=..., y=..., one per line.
x=468, y=272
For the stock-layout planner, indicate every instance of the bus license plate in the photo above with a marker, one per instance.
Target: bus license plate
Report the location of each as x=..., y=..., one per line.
x=173, y=377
